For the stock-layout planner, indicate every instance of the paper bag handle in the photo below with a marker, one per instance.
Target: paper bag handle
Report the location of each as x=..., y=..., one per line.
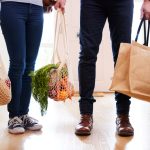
x=146, y=33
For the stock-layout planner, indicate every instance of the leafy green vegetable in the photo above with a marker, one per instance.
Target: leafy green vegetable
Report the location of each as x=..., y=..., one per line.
x=40, y=87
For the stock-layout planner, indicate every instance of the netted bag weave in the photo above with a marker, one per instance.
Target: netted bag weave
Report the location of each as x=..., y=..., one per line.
x=5, y=86
x=60, y=88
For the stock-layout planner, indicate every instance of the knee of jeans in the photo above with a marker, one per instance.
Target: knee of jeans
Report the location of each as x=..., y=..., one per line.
x=88, y=55
x=16, y=69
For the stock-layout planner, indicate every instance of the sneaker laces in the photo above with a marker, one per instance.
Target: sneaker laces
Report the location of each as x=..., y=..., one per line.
x=15, y=121
x=27, y=119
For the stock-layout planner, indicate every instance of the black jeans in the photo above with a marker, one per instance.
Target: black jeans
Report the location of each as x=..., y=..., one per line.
x=22, y=26
x=92, y=20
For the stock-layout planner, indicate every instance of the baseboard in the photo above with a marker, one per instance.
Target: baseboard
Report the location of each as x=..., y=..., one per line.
x=95, y=94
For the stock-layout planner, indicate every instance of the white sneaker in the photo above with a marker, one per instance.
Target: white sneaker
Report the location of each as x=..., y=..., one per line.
x=15, y=126
x=30, y=123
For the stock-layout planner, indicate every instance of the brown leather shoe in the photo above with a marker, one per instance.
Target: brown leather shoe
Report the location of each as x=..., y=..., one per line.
x=124, y=127
x=85, y=126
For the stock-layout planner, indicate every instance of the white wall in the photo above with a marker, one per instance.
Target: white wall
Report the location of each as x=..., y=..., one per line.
x=3, y=51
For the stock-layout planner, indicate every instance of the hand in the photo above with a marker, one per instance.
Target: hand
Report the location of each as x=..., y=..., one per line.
x=60, y=4
x=145, y=10
x=47, y=9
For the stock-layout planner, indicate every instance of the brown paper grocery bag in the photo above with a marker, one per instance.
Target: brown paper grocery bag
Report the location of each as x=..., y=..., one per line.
x=132, y=71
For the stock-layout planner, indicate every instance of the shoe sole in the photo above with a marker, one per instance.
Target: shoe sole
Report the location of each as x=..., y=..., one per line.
x=13, y=132
x=33, y=129
x=124, y=134
x=83, y=133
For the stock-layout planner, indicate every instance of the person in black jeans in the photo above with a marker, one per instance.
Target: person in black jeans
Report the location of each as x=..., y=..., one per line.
x=92, y=20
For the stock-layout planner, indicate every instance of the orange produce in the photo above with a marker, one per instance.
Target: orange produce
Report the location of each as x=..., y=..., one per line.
x=62, y=95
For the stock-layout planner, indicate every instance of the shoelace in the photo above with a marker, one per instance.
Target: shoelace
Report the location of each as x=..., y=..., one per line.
x=85, y=119
x=26, y=119
x=15, y=121
x=125, y=121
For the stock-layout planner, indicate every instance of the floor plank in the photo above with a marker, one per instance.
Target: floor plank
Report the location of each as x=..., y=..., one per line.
x=60, y=121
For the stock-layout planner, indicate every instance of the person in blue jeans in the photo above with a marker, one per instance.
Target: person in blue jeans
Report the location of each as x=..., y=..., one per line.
x=92, y=20
x=22, y=26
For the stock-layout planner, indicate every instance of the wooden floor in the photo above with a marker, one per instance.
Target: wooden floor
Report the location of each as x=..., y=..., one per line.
x=60, y=121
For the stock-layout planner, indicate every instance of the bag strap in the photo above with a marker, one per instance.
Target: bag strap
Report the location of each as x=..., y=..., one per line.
x=139, y=28
x=56, y=38
x=146, y=33
x=147, y=41
x=60, y=28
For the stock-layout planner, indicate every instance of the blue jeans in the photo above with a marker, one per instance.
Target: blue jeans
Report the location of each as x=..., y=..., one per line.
x=22, y=26
x=92, y=20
